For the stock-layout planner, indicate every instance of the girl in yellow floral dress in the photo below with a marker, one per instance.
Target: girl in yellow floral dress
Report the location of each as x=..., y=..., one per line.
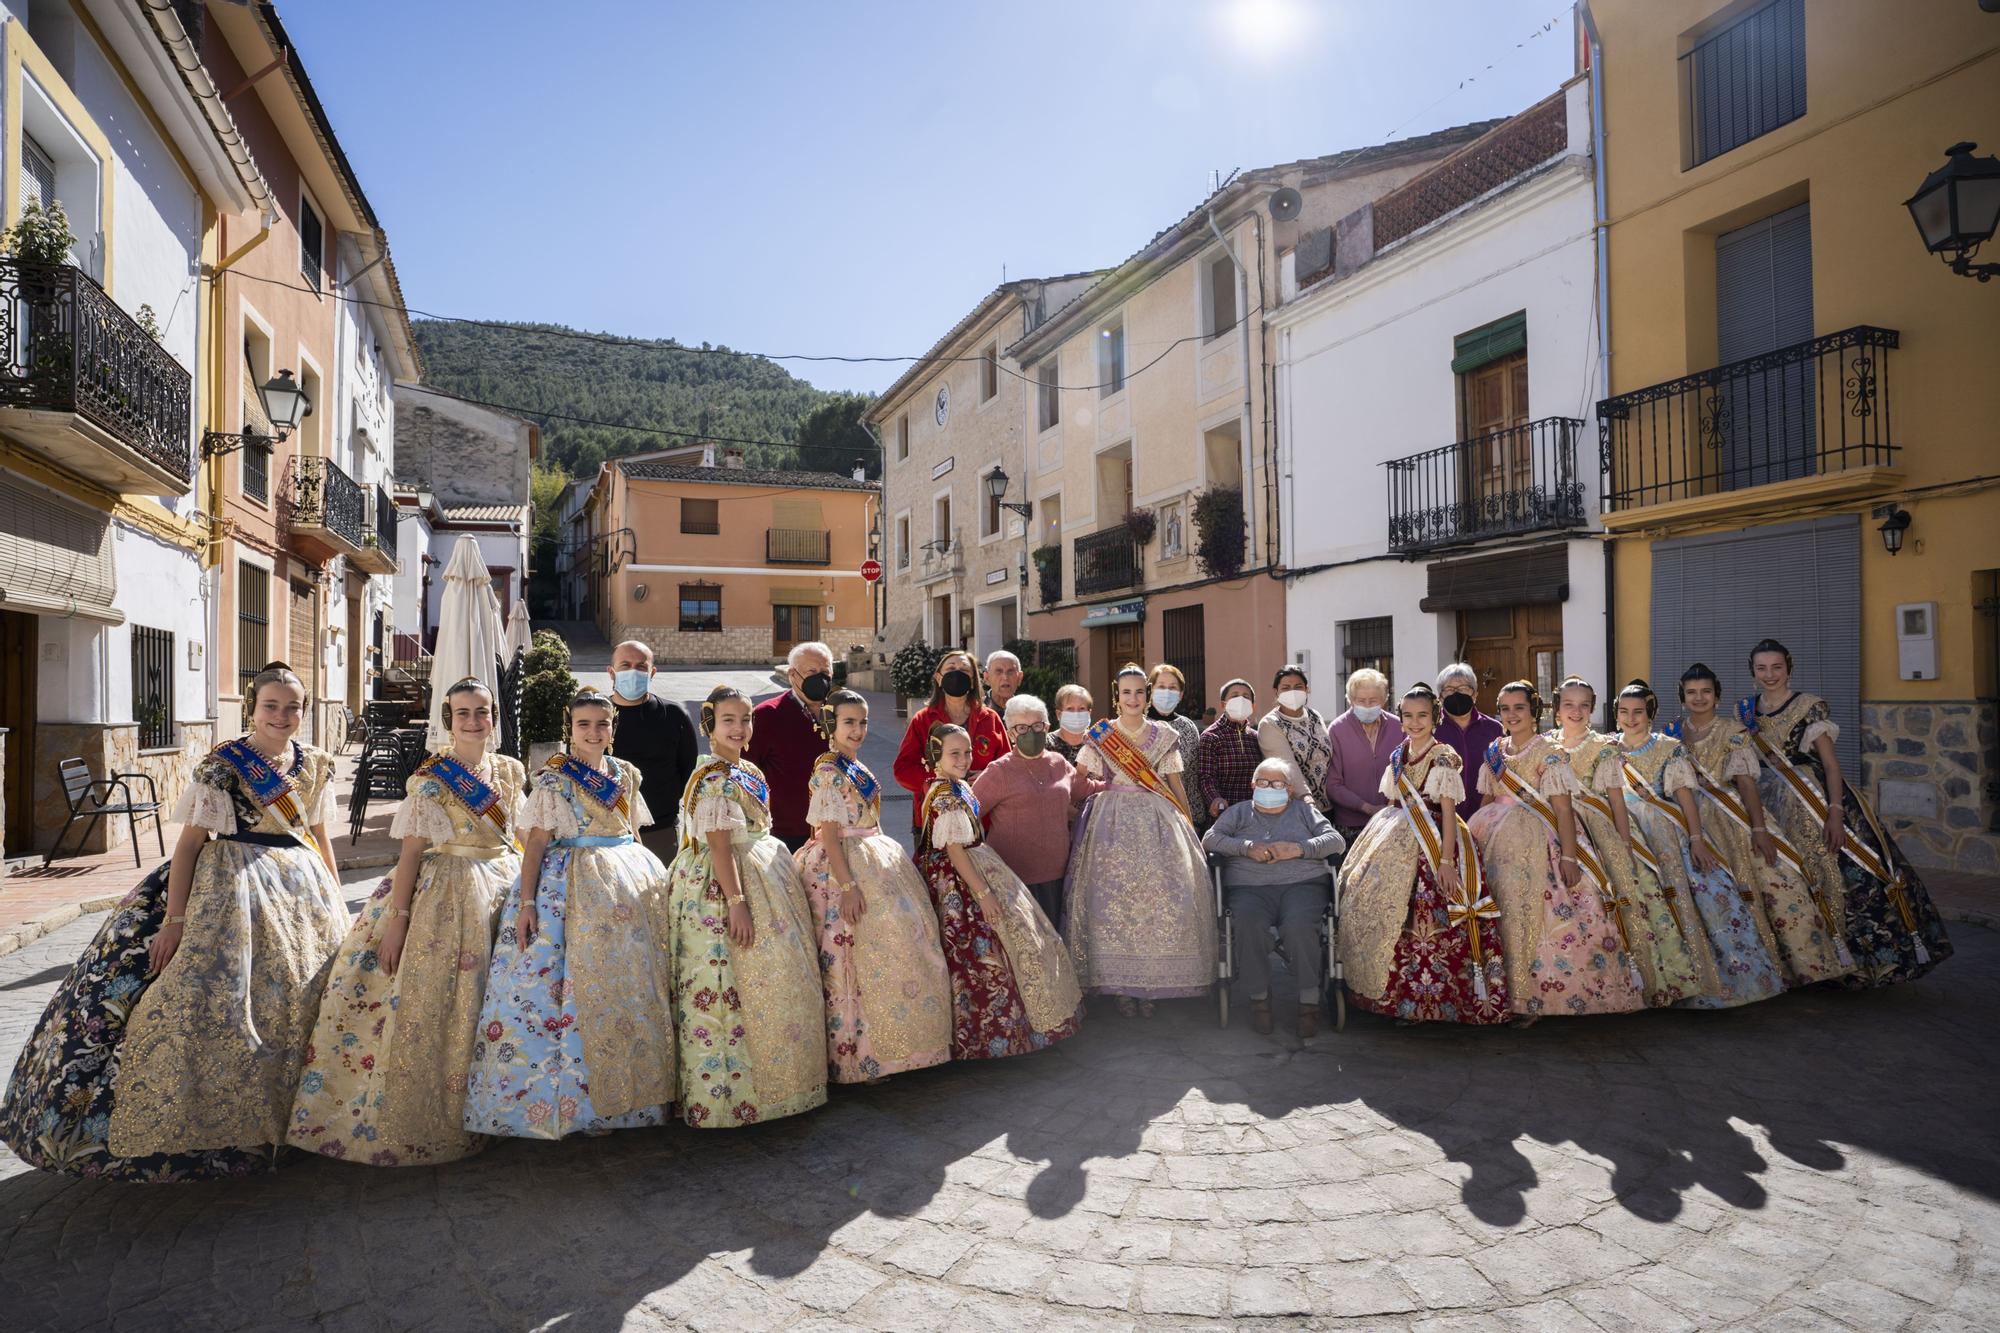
x=384, y=1079
x=171, y=1049
x=748, y=1010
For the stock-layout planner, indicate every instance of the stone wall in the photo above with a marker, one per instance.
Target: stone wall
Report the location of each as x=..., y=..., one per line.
x=463, y=454
x=736, y=643
x=110, y=748
x=1929, y=768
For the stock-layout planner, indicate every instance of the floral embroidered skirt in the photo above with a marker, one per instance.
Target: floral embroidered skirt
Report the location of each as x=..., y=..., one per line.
x=576, y=1030
x=1799, y=927
x=1140, y=911
x=1564, y=954
x=1393, y=916
x=1012, y=987
x=1655, y=918
x=750, y=1022
x=888, y=998
x=384, y=1074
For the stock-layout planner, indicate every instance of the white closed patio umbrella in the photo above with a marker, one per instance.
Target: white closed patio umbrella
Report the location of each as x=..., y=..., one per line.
x=471, y=637
x=519, y=637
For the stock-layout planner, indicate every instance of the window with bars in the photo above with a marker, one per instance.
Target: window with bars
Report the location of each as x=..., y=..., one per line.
x=153, y=686
x=701, y=608
x=1744, y=80
x=1184, y=641
x=253, y=620
x=312, y=243
x=1368, y=643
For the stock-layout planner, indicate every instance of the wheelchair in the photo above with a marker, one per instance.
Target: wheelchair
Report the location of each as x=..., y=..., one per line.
x=1335, y=996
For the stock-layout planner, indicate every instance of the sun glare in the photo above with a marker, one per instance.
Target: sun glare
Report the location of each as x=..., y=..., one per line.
x=1264, y=29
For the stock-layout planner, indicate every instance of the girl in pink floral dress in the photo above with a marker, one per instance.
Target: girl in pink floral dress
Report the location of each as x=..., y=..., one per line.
x=1564, y=947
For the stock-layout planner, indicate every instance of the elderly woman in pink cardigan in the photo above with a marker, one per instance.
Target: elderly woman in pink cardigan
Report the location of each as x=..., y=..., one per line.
x=1362, y=738
x=1028, y=799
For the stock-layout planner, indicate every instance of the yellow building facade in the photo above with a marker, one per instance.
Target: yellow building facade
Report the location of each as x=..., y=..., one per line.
x=1790, y=372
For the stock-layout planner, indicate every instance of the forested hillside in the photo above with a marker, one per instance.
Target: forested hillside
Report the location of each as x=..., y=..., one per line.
x=643, y=382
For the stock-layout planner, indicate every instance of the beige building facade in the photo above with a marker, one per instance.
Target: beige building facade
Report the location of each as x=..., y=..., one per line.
x=955, y=560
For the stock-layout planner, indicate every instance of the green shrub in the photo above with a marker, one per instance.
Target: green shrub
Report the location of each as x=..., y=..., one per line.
x=912, y=668
x=1043, y=682
x=543, y=699
x=1219, y=531
x=547, y=652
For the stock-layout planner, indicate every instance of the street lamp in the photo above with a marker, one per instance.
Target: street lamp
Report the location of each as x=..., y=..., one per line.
x=285, y=404
x=996, y=490
x=1895, y=522
x=1957, y=208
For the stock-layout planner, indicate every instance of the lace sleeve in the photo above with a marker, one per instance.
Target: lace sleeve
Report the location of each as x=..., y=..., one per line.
x=1742, y=760
x=546, y=809
x=1826, y=727
x=1089, y=762
x=1558, y=778
x=1610, y=776
x=828, y=803
x=423, y=814
x=1387, y=786
x=1678, y=774
x=206, y=802
x=952, y=827
x=1445, y=784
x=717, y=814
x=1170, y=763
x=1488, y=783
x=324, y=807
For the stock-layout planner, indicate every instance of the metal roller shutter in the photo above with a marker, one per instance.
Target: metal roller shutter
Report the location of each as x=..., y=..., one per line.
x=1764, y=301
x=1800, y=583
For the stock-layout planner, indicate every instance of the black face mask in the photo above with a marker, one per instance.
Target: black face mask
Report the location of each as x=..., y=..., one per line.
x=957, y=684
x=1458, y=705
x=816, y=686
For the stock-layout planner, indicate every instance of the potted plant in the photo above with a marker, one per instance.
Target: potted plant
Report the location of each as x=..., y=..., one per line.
x=1142, y=523
x=911, y=669
x=41, y=242
x=545, y=692
x=1218, y=527
x=42, y=236
x=1048, y=571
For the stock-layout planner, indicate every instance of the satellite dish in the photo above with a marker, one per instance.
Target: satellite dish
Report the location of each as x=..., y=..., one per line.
x=1285, y=204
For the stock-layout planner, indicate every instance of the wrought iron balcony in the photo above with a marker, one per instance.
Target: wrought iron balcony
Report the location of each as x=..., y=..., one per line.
x=1107, y=561
x=325, y=508
x=1504, y=484
x=940, y=559
x=1801, y=411
x=83, y=384
x=797, y=546
x=378, y=536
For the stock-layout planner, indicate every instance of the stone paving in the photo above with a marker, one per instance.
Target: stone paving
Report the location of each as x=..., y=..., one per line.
x=1825, y=1160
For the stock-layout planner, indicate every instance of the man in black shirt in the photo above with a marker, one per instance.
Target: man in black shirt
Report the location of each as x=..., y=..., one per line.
x=657, y=737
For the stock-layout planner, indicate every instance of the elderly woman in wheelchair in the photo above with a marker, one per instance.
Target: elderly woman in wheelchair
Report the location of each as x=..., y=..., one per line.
x=1273, y=853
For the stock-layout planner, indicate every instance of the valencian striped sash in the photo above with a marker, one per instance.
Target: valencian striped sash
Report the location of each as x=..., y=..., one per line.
x=1641, y=850
x=480, y=800
x=599, y=786
x=1586, y=855
x=270, y=788
x=1873, y=864
x=1635, y=782
x=1471, y=904
x=1132, y=762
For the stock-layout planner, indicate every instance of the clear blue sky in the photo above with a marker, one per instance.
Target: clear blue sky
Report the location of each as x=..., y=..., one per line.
x=851, y=176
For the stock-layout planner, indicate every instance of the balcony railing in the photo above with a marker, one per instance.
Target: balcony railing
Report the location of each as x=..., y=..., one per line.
x=66, y=348
x=378, y=532
x=385, y=519
x=1800, y=411
x=323, y=501
x=1509, y=482
x=1106, y=561
x=797, y=546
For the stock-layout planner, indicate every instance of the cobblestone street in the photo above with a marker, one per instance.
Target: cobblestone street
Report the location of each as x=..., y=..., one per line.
x=1823, y=1160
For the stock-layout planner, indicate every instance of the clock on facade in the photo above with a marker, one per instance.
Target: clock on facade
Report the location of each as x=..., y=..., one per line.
x=943, y=403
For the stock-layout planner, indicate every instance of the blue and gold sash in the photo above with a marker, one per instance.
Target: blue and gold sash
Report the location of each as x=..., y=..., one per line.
x=942, y=787
x=482, y=801
x=864, y=781
x=270, y=788
x=746, y=782
x=605, y=790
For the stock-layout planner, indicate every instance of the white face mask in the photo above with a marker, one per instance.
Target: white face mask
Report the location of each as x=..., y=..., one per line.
x=1075, y=721
x=1366, y=713
x=1292, y=699
x=1166, y=701
x=1239, y=709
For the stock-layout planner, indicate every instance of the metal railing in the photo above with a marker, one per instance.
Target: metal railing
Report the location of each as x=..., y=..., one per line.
x=1518, y=480
x=1107, y=561
x=320, y=495
x=384, y=531
x=797, y=546
x=65, y=346
x=1799, y=411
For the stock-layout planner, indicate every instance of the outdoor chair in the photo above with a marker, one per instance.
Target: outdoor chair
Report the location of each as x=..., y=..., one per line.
x=90, y=798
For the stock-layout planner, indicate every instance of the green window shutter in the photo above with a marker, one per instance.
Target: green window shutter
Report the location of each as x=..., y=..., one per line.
x=1489, y=342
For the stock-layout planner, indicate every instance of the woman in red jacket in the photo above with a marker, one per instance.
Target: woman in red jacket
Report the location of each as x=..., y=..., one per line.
x=954, y=698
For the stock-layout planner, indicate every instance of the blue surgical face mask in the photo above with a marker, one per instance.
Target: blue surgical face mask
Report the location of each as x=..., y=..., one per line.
x=1270, y=798
x=1366, y=713
x=632, y=684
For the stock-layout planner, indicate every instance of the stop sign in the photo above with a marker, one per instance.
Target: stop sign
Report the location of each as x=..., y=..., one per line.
x=871, y=570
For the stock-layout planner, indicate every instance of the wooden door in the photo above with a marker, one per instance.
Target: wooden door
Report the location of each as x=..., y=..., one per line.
x=1509, y=643
x=17, y=714
x=1494, y=402
x=1122, y=644
x=792, y=625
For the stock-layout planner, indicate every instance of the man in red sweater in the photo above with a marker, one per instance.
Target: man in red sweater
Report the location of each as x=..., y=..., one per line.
x=785, y=741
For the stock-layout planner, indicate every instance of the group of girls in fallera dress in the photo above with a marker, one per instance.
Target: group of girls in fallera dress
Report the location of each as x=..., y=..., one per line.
x=1720, y=861
x=529, y=969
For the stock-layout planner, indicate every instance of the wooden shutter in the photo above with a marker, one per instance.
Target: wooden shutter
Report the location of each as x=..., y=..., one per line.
x=1715, y=596
x=38, y=176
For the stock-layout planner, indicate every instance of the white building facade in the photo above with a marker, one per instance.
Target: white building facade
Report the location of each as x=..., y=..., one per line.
x=1441, y=490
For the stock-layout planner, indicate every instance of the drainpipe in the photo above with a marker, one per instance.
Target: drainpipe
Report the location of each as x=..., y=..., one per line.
x=1243, y=329
x=1600, y=183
